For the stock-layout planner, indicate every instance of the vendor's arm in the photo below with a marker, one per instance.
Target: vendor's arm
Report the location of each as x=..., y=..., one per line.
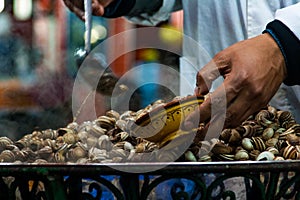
x=253, y=70
x=146, y=12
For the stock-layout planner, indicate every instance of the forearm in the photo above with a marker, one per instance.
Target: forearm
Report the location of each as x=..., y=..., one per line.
x=285, y=30
x=131, y=7
x=146, y=12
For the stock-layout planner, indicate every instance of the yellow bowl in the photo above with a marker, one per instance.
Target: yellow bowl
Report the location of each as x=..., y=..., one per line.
x=158, y=124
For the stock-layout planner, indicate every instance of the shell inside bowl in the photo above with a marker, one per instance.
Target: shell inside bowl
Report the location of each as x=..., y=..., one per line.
x=165, y=121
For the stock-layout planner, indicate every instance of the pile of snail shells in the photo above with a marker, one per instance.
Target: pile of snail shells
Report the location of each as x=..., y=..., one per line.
x=268, y=135
x=106, y=139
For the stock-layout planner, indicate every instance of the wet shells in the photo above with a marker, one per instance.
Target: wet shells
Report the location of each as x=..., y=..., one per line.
x=273, y=150
x=70, y=138
x=289, y=152
x=91, y=142
x=74, y=126
x=265, y=156
x=36, y=144
x=225, y=157
x=293, y=139
x=268, y=133
x=241, y=155
x=253, y=154
x=76, y=153
x=62, y=131
x=22, y=143
x=97, y=155
x=7, y=156
x=279, y=158
x=189, y=156
x=113, y=114
x=247, y=144
x=105, y=143
x=118, y=153
x=49, y=134
x=205, y=158
x=21, y=156
x=272, y=142
x=249, y=131
x=258, y=143
x=45, y=153
x=225, y=135
x=235, y=137
x=105, y=122
x=4, y=141
x=272, y=110
x=96, y=130
x=221, y=148
x=264, y=117
x=40, y=161
x=284, y=117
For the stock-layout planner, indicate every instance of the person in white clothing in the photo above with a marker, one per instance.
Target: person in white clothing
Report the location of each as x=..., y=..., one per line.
x=254, y=46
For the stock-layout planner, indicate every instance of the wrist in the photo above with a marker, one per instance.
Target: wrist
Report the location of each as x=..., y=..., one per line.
x=289, y=46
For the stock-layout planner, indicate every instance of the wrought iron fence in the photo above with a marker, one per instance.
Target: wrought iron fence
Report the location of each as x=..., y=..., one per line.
x=209, y=180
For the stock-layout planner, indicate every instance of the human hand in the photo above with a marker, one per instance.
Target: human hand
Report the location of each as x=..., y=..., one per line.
x=77, y=7
x=253, y=70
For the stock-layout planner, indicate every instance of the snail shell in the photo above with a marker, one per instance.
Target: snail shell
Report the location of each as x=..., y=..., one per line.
x=189, y=156
x=258, y=143
x=7, y=156
x=113, y=114
x=264, y=117
x=267, y=133
x=241, y=155
x=289, y=152
x=105, y=122
x=205, y=158
x=271, y=142
x=77, y=152
x=70, y=138
x=273, y=150
x=4, y=141
x=247, y=144
x=45, y=153
x=265, y=155
x=293, y=139
x=105, y=143
x=49, y=134
x=221, y=148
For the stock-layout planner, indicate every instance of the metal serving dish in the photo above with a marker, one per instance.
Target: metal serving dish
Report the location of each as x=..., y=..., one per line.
x=163, y=123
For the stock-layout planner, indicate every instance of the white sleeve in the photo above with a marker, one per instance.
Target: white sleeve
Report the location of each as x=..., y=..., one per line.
x=153, y=19
x=290, y=16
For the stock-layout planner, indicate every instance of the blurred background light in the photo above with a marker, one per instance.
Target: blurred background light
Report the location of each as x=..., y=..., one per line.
x=22, y=9
x=98, y=32
x=2, y=5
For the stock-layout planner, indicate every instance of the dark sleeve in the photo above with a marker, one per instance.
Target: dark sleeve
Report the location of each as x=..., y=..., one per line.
x=120, y=8
x=289, y=45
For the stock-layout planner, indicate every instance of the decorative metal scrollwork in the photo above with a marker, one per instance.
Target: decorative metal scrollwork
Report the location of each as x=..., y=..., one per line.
x=175, y=182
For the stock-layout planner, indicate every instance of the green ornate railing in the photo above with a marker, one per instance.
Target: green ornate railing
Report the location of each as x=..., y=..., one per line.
x=211, y=180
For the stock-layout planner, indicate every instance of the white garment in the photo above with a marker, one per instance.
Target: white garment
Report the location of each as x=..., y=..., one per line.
x=212, y=25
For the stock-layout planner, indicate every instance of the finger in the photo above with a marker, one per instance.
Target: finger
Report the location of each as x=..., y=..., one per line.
x=215, y=102
x=240, y=109
x=97, y=8
x=218, y=66
x=76, y=10
x=215, y=105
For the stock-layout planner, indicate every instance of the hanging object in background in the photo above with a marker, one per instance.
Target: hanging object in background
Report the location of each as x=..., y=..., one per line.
x=22, y=9
x=108, y=81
